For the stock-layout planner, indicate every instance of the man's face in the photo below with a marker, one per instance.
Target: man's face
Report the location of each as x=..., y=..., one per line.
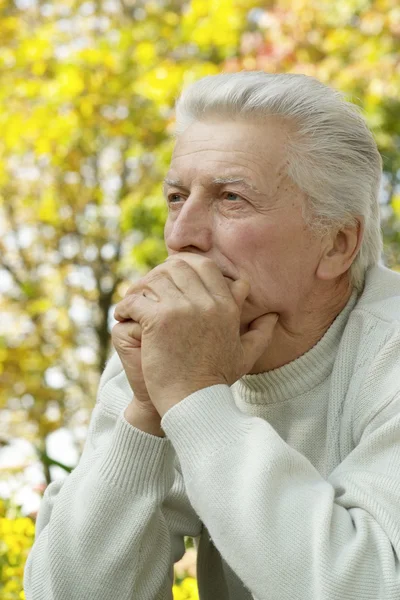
x=255, y=234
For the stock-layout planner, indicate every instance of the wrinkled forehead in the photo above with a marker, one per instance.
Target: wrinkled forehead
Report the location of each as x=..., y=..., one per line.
x=230, y=149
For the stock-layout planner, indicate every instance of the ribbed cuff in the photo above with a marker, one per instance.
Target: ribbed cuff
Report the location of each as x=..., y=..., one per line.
x=204, y=423
x=137, y=461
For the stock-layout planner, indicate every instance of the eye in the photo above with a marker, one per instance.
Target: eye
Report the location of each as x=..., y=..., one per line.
x=236, y=196
x=173, y=198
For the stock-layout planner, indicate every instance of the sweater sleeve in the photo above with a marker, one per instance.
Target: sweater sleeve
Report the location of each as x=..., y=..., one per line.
x=115, y=526
x=283, y=529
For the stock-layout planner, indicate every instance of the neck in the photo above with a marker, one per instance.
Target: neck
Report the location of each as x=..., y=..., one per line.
x=296, y=333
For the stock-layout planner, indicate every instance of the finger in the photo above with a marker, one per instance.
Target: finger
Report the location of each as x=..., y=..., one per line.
x=145, y=285
x=166, y=281
x=127, y=335
x=134, y=330
x=161, y=287
x=187, y=280
x=207, y=271
x=134, y=307
x=257, y=339
x=240, y=289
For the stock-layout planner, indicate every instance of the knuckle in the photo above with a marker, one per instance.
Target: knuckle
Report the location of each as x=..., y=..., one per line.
x=182, y=264
x=171, y=312
x=209, y=308
x=140, y=284
x=154, y=275
x=133, y=289
x=132, y=299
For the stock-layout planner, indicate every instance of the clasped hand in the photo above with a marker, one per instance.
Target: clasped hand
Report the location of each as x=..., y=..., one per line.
x=190, y=328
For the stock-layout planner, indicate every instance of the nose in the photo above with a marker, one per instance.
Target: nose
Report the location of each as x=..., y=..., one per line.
x=190, y=227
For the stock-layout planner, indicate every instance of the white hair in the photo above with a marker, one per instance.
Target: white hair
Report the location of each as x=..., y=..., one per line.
x=332, y=155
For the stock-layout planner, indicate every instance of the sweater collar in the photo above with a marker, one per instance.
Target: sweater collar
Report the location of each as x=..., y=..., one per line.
x=300, y=375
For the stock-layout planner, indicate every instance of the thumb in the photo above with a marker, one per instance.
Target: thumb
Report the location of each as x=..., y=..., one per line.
x=258, y=338
x=134, y=331
x=240, y=290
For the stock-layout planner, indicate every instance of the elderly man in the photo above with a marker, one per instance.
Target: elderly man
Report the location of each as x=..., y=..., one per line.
x=253, y=402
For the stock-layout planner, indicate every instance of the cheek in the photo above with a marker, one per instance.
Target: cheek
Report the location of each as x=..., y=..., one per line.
x=273, y=258
x=256, y=252
x=257, y=248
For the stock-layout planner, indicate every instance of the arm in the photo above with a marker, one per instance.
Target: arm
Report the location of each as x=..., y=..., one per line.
x=106, y=530
x=287, y=532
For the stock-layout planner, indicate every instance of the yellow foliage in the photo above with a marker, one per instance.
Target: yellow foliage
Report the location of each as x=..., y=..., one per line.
x=98, y=57
x=86, y=107
x=337, y=39
x=151, y=251
x=70, y=82
x=31, y=362
x=396, y=205
x=43, y=145
x=186, y=590
x=48, y=209
x=171, y=18
x=145, y=52
x=37, y=307
x=209, y=23
x=11, y=132
x=16, y=538
x=160, y=83
x=200, y=70
x=40, y=49
x=39, y=67
x=9, y=26
x=189, y=585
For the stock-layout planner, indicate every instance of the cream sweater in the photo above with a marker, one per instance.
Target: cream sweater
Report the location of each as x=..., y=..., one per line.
x=289, y=481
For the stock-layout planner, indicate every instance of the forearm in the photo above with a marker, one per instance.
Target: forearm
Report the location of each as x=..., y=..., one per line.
x=104, y=523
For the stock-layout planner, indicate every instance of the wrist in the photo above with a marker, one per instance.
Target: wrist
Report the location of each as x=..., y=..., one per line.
x=170, y=397
x=144, y=419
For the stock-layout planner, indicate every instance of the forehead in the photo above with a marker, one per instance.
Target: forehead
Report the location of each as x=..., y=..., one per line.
x=222, y=149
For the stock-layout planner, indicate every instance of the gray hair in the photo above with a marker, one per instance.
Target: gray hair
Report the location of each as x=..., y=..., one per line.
x=332, y=155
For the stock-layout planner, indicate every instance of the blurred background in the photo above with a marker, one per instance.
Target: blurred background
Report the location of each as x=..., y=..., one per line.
x=87, y=92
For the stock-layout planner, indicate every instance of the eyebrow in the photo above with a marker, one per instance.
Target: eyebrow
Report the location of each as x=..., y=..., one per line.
x=218, y=181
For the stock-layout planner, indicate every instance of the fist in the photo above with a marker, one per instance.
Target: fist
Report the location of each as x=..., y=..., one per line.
x=126, y=338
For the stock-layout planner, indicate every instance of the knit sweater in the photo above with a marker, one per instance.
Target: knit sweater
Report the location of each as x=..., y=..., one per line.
x=289, y=480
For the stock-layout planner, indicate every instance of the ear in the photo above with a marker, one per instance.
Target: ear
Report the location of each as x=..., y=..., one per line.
x=340, y=250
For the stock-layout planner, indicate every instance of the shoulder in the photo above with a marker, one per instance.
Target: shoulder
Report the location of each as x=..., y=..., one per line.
x=375, y=317
x=381, y=294
x=370, y=348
